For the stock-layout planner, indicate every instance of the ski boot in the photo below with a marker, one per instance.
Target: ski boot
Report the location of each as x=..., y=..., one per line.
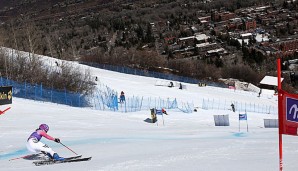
x=57, y=157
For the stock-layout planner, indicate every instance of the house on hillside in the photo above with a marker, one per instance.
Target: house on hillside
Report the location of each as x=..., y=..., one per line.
x=201, y=38
x=187, y=41
x=270, y=83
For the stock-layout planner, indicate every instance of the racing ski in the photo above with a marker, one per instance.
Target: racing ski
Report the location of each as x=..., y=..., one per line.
x=66, y=160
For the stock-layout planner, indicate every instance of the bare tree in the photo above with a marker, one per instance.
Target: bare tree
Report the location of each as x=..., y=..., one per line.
x=49, y=43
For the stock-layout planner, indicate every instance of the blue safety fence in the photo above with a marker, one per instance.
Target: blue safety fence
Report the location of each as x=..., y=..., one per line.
x=220, y=104
x=133, y=104
x=40, y=93
x=105, y=98
x=186, y=107
x=154, y=74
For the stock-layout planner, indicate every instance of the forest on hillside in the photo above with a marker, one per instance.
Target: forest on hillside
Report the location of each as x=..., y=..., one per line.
x=125, y=33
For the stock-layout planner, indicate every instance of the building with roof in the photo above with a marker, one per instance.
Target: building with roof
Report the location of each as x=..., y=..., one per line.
x=269, y=82
x=205, y=46
x=201, y=38
x=187, y=41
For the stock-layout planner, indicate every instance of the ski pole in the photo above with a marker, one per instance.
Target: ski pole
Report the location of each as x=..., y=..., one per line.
x=22, y=157
x=19, y=158
x=2, y=112
x=68, y=148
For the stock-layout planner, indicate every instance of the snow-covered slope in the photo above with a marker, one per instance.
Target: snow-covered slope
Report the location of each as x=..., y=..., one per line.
x=125, y=141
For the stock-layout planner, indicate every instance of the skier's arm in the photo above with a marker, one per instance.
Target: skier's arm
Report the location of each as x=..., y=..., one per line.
x=44, y=134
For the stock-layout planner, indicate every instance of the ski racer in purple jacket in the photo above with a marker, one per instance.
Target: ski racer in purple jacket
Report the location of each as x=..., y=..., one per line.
x=34, y=144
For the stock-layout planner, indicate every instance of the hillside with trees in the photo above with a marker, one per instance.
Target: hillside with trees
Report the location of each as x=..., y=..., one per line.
x=131, y=33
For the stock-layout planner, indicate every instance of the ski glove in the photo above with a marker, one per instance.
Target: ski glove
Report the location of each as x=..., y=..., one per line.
x=57, y=140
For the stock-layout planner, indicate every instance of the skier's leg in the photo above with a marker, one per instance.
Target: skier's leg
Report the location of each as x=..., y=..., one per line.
x=37, y=146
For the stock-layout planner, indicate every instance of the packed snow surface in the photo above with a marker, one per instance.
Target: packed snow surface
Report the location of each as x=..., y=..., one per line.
x=119, y=141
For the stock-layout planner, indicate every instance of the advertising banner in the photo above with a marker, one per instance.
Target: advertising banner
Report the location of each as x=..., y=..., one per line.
x=5, y=95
